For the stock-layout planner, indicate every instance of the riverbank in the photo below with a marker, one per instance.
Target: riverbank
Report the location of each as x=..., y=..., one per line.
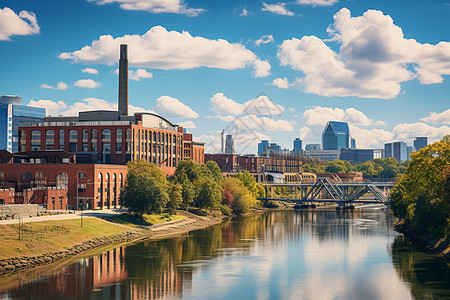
x=439, y=245
x=102, y=234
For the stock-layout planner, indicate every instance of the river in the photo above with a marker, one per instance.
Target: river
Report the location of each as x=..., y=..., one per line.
x=310, y=254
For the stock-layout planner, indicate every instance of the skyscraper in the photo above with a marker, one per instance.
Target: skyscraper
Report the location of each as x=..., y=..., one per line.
x=297, y=146
x=229, y=144
x=353, y=143
x=420, y=142
x=398, y=150
x=262, y=146
x=312, y=147
x=13, y=115
x=336, y=135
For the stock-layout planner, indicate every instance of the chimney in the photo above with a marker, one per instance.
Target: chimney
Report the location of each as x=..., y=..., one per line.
x=123, y=81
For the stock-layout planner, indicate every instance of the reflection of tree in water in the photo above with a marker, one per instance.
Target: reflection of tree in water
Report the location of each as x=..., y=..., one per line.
x=428, y=275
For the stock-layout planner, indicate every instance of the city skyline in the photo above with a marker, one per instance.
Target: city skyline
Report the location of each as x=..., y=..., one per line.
x=368, y=63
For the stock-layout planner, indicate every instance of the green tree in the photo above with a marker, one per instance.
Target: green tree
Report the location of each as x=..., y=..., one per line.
x=214, y=168
x=187, y=194
x=250, y=182
x=338, y=166
x=145, y=167
x=175, y=197
x=243, y=199
x=187, y=170
x=209, y=193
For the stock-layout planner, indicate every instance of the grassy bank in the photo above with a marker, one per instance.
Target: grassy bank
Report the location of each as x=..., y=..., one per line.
x=52, y=236
x=145, y=220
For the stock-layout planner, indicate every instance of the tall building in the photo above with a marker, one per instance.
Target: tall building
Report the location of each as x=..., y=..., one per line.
x=262, y=146
x=409, y=150
x=313, y=147
x=274, y=147
x=353, y=143
x=398, y=150
x=229, y=144
x=335, y=136
x=297, y=146
x=360, y=155
x=323, y=154
x=420, y=142
x=13, y=115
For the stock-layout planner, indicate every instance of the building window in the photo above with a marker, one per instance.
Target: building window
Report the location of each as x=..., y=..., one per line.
x=81, y=175
x=35, y=140
x=128, y=134
x=61, y=139
x=26, y=177
x=61, y=180
x=49, y=140
x=106, y=134
x=85, y=135
x=73, y=135
x=118, y=140
x=94, y=140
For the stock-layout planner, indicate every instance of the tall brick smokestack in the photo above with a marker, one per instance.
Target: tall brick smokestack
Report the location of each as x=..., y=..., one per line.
x=123, y=81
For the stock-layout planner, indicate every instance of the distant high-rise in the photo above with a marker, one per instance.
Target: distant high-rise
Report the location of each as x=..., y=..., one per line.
x=420, y=142
x=409, y=150
x=336, y=135
x=13, y=115
x=274, y=147
x=123, y=81
x=398, y=150
x=262, y=146
x=353, y=143
x=229, y=144
x=313, y=147
x=297, y=146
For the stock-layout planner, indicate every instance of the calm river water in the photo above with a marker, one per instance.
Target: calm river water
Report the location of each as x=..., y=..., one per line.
x=279, y=255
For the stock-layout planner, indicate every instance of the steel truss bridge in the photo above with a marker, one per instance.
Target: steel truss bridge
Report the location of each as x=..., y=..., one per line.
x=333, y=190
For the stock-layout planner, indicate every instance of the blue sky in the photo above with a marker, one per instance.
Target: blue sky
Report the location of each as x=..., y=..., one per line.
x=383, y=66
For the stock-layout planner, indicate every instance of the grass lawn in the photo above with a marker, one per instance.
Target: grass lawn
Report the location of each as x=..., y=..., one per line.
x=52, y=236
x=146, y=220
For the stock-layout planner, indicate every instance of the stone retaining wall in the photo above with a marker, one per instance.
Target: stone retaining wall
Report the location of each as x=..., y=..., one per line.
x=25, y=262
x=16, y=211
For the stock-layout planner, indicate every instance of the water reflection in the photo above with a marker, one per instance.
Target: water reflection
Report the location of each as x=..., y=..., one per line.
x=278, y=255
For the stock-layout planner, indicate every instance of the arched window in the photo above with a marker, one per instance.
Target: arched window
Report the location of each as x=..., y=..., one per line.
x=119, y=140
x=26, y=177
x=61, y=180
x=85, y=134
x=94, y=140
x=106, y=134
x=2, y=175
x=35, y=140
x=114, y=190
x=100, y=179
x=49, y=140
x=159, y=137
x=128, y=134
x=39, y=179
x=121, y=180
x=61, y=139
x=94, y=134
x=73, y=137
x=81, y=174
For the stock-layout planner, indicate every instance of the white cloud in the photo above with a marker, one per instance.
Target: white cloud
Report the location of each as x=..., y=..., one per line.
x=244, y=12
x=265, y=123
x=59, y=86
x=55, y=108
x=90, y=71
x=25, y=23
x=373, y=60
x=171, y=107
x=291, y=109
x=412, y=130
x=265, y=39
x=281, y=83
x=373, y=138
x=318, y=116
x=306, y=133
x=155, y=6
x=187, y=124
x=317, y=2
x=168, y=50
x=224, y=106
x=438, y=118
x=262, y=68
x=137, y=75
x=87, y=83
x=279, y=9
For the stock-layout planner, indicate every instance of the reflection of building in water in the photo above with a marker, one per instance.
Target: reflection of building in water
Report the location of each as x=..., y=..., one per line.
x=170, y=283
x=109, y=268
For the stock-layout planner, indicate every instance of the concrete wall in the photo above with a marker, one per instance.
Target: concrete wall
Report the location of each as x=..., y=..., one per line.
x=20, y=211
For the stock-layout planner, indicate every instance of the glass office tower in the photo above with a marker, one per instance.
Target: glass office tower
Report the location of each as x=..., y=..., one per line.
x=335, y=136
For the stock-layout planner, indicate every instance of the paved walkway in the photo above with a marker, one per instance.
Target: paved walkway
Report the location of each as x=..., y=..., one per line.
x=68, y=216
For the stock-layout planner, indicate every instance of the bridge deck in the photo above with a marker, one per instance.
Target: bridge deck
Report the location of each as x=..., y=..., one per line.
x=343, y=184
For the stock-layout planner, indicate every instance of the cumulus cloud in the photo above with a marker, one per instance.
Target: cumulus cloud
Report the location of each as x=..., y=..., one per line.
x=266, y=124
x=438, y=118
x=137, y=75
x=187, y=124
x=168, y=50
x=374, y=58
x=87, y=83
x=25, y=23
x=265, y=39
x=317, y=2
x=281, y=83
x=318, y=116
x=279, y=9
x=171, y=107
x=155, y=6
x=373, y=138
x=412, y=130
x=55, y=108
x=259, y=106
x=90, y=71
x=59, y=86
x=244, y=12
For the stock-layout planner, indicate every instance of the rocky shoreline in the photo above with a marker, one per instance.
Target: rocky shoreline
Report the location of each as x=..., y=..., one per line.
x=439, y=245
x=192, y=222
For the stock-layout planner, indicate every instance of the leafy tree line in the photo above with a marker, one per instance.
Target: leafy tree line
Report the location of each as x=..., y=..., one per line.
x=422, y=194
x=378, y=168
x=193, y=185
